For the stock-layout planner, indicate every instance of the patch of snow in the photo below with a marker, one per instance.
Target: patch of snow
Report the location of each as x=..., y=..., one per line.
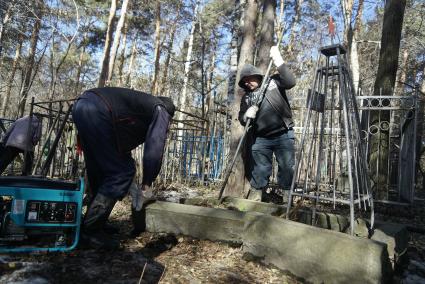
x=33, y=280
x=4, y=259
x=21, y=275
x=175, y=196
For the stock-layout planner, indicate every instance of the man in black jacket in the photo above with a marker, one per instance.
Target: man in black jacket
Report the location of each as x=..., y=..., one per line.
x=272, y=125
x=17, y=140
x=111, y=122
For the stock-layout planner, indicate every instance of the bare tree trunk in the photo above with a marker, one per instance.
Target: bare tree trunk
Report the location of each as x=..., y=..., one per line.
x=116, y=42
x=12, y=75
x=423, y=84
x=353, y=51
x=347, y=10
x=210, y=115
x=355, y=66
x=279, y=26
x=169, y=50
x=182, y=102
x=266, y=34
x=402, y=74
x=31, y=59
x=107, y=49
x=80, y=66
x=55, y=70
x=390, y=46
x=51, y=63
x=294, y=25
x=384, y=85
x=209, y=91
x=420, y=129
x=237, y=182
x=421, y=116
x=130, y=65
x=167, y=62
x=249, y=26
x=154, y=88
x=123, y=53
x=3, y=21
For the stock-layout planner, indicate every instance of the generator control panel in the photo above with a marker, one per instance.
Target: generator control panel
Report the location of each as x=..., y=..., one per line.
x=50, y=212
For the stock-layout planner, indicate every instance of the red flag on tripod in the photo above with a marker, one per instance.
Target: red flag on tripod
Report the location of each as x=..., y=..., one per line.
x=331, y=26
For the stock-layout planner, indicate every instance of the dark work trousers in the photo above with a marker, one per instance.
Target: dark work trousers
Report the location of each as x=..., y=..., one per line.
x=109, y=172
x=8, y=154
x=283, y=147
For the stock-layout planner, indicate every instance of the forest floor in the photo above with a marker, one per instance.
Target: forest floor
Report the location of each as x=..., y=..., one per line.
x=147, y=258
x=150, y=258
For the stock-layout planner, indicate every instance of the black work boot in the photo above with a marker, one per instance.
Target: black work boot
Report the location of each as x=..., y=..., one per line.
x=93, y=234
x=108, y=227
x=111, y=229
x=139, y=221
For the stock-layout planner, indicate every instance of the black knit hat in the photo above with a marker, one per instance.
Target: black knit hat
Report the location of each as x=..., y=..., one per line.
x=168, y=104
x=249, y=70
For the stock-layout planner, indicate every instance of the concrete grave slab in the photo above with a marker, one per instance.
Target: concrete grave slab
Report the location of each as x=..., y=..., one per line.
x=329, y=221
x=394, y=235
x=199, y=222
x=311, y=253
x=314, y=254
x=246, y=205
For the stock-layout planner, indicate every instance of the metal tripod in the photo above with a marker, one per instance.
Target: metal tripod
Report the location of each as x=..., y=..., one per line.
x=331, y=166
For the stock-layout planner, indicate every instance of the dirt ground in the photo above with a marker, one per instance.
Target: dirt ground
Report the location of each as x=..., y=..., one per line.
x=153, y=258
x=148, y=258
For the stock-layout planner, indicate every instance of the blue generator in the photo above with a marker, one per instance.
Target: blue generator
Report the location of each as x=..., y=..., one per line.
x=39, y=214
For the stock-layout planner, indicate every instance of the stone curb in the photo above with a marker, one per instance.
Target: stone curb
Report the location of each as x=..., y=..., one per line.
x=199, y=222
x=314, y=254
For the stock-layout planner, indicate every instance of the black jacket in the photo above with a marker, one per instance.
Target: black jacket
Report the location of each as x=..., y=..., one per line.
x=274, y=114
x=132, y=113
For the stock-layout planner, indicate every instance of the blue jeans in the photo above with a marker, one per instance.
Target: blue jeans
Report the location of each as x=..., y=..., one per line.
x=283, y=147
x=109, y=172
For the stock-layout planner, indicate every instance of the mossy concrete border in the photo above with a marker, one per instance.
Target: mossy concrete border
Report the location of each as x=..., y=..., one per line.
x=311, y=253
